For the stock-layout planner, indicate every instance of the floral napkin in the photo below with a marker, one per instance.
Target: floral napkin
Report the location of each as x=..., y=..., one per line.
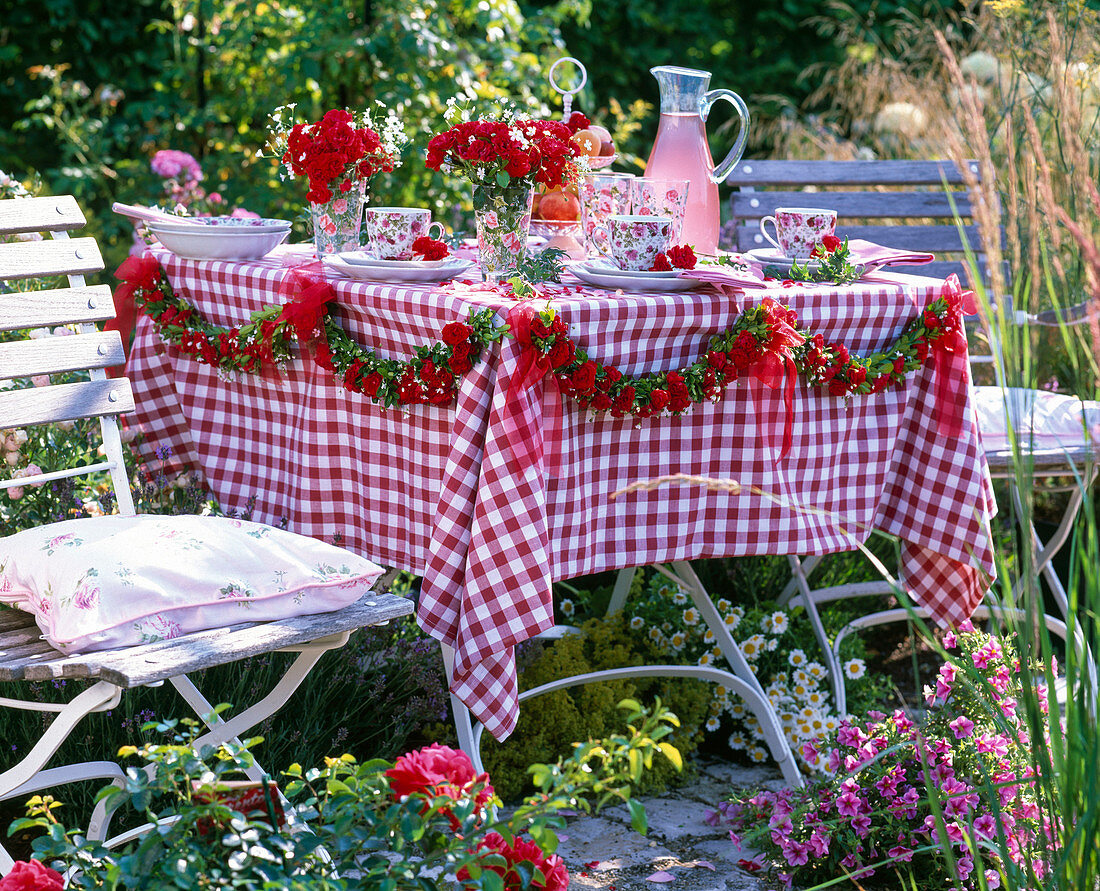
x=870, y=254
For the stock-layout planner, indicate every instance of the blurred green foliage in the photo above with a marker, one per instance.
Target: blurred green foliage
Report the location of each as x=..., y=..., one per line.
x=91, y=89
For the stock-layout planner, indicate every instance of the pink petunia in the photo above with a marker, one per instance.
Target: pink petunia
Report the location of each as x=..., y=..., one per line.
x=962, y=726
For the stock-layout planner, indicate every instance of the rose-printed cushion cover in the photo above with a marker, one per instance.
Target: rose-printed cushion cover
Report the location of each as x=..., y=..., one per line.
x=106, y=582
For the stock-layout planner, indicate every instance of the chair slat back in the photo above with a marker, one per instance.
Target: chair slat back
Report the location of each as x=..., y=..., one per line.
x=51, y=214
x=903, y=204
x=57, y=306
x=51, y=355
x=65, y=402
x=89, y=350
x=38, y=259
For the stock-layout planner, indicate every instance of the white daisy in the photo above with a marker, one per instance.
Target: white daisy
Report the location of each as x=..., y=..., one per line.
x=713, y=723
x=567, y=607
x=780, y=622
x=723, y=606
x=691, y=616
x=758, y=754
x=731, y=621
x=706, y=659
x=637, y=623
x=677, y=641
x=737, y=741
x=855, y=669
x=679, y=597
x=797, y=658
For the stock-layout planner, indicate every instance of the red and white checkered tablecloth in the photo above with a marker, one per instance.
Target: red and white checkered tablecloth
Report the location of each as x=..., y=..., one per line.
x=432, y=490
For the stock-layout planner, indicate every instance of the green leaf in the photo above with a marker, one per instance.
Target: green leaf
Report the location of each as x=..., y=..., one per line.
x=673, y=754
x=639, y=821
x=503, y=179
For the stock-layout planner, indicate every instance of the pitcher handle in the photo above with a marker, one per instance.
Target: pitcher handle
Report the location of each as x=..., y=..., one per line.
x=721, y=171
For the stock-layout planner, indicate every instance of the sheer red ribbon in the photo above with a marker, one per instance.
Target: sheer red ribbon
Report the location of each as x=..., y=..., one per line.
x=524, y=441
x=776, y=370
x=951, y=360
x=135, y=273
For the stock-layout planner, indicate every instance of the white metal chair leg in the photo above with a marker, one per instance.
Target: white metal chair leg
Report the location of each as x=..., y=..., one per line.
x=464, y=722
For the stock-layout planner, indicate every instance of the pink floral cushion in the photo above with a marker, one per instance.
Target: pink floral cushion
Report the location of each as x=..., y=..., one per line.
x=96, y=584
x=1042, y=420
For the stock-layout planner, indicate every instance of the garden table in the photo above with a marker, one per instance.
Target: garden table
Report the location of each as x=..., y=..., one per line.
x=434, y=490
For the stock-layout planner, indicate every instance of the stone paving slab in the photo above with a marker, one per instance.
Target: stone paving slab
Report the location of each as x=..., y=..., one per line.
x=603, y=853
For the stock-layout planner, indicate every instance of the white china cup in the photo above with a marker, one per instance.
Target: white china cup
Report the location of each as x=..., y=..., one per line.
x=798, y=230
x=634, y=240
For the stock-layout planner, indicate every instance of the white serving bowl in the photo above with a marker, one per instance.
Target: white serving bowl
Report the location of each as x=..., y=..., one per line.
x=202, y=243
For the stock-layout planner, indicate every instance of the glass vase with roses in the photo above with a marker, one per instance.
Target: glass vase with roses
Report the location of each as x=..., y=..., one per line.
x=504, y=161
x=339, y=155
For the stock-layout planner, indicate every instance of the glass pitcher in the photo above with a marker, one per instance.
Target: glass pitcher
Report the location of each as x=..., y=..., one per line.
x=680, y=150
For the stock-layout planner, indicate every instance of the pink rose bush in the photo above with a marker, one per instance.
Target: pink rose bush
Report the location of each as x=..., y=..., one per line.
x=872, y=814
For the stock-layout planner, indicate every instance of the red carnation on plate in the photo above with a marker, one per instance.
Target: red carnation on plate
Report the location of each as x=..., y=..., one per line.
x=549, y=869
x=661, y=263
x=429, y=248
x=682, y=256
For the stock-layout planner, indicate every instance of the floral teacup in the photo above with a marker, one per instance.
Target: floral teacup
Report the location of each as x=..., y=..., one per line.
x=602, y=194
x=635, y=241
x=661, y=198
x=798, y=230
x=391, y=231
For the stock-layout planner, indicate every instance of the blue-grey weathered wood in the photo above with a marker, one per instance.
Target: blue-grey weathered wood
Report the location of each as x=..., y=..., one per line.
x=844, y=173
x=872, y=204
x=916, y=238
x=49, y=214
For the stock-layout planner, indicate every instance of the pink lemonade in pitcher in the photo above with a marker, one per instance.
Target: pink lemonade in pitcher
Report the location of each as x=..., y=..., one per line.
x=680, y=150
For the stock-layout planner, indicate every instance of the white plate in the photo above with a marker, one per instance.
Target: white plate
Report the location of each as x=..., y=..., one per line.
x=365, y=258
x=202, y=243
x=441, y=270
x=772, y=257
x=610, y=277
x=603, y=266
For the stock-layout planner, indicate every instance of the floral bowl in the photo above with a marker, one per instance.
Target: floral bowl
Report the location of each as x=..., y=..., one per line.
x=217, y=243
x=224, y=224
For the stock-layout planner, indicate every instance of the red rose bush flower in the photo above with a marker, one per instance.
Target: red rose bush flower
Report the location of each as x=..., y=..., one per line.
x=335, y=150
x=32, y=876
x=439, y=771
x=548, y=870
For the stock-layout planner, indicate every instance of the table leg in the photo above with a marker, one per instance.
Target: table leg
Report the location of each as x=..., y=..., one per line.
x=750, y=689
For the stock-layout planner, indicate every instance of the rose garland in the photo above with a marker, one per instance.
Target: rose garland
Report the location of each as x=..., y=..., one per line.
x=762, y=343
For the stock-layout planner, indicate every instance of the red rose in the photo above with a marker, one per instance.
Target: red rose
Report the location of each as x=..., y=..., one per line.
x=577, y=121
x=538, y=328
x=323, y=357
x=661, y=264
x=837, y=388
x=830, y=243
x=584, y=378
x=658, y=399
x=624, y=400
x=682, y=256
x=460, y=357
x=519, y=164
x=857, y=375
x=456, y=332
x=371, y=383
x=601, y=402
x=549, y=869
x=32, y=875
x=561, y=353
x=439, y=771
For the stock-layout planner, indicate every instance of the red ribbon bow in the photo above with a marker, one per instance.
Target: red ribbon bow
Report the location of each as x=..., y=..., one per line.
x=306, y=299
x=951, y=360
x=136, y=273
x=524, y=447
x=776, y=367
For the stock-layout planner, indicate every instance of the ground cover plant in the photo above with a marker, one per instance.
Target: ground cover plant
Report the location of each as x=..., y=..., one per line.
x=422, y=821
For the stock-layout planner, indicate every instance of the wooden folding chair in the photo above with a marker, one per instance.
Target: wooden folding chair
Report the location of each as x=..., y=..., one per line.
x=24, y=655
x=925, y=206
